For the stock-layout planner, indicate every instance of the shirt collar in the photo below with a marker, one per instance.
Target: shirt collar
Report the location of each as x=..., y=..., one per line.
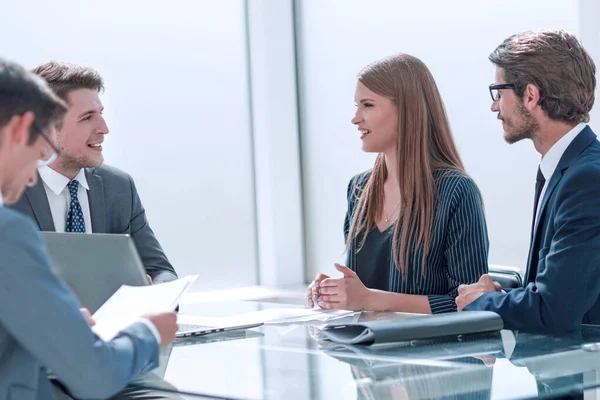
x=1, y=200
x=552, y=158
x=57, y=181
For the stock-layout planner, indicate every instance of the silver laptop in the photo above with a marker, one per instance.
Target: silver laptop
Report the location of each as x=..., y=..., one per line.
x=95, y=265
x=188, y=330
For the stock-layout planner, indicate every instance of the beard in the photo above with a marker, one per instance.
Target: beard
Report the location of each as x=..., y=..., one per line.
x=69, y=162
x=522, y=126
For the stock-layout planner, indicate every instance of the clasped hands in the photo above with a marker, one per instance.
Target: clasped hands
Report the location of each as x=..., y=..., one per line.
x=346, y=293
x=349, y=293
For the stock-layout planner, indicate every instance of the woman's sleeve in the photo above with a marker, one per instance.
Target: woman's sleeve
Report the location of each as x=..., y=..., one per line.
x=348, y=219
x=466, y=246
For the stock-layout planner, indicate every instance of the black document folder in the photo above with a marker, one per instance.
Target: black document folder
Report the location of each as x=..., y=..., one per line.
x=456, y=348
x=406, y=329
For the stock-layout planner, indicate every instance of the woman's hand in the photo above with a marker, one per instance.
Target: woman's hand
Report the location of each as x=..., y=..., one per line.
x=313, y=289
x=347, y=293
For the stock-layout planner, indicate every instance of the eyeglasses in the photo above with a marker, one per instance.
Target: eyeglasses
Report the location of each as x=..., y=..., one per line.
x=495, y=90
x=46, y=159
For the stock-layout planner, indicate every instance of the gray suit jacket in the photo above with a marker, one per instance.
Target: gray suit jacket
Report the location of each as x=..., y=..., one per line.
x=42, y=328
x=115, y=207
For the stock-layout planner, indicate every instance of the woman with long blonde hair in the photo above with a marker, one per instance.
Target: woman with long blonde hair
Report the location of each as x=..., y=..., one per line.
x=415, y=228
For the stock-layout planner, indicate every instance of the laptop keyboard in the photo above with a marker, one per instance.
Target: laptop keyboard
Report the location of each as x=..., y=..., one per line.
x=190, y=327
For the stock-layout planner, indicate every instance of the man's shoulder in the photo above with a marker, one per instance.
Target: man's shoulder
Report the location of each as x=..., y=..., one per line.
x=587, y=156
x=16, y=229
x=12, y=219
x=113, y=179
x=109, y=172
x=578, y=183
x=585, y=166
x=590, y=155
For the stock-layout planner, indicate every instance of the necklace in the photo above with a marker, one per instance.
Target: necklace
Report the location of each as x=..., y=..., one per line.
x=387, y=217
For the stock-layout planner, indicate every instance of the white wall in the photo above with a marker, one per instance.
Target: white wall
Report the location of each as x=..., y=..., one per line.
x=454, y=38
x=177, y=104
x=589, y=33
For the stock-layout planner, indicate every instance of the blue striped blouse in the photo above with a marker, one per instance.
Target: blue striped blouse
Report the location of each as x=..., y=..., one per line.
x=459, y=249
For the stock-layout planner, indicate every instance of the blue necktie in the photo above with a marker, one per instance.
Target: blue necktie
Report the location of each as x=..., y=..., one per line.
x=75, y=222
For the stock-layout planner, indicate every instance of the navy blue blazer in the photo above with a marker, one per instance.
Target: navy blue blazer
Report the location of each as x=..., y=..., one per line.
x=562, y=282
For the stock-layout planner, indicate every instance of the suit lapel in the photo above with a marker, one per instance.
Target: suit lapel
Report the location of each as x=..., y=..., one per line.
x=533, y=249
x=556, y=177
x=96, y=199
x=39, y=204
x=585, y=138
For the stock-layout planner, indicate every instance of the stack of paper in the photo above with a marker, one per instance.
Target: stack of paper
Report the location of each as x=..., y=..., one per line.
x=129, y=303
x=269, y=316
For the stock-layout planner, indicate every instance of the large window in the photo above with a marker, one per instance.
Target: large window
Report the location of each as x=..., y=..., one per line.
x=177, y=105
x=454, y=38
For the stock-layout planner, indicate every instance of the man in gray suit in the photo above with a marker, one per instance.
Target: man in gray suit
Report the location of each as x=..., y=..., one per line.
x=41, y=326
x=77, y=193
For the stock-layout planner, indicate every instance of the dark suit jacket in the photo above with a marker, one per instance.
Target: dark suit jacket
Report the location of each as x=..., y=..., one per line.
x=562, y=282
x=115, y=207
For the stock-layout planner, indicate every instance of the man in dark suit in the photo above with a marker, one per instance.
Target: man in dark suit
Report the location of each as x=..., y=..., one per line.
x=544, y=91
x=77, y=193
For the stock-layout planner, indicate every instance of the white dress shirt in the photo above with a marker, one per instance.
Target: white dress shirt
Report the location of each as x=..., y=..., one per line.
x=1, y=200
x=552, y=158
x=59, y=197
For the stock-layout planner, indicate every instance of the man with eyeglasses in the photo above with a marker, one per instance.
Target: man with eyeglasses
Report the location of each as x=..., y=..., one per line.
x=77, y=193
x=41, y=326
x=544, y=91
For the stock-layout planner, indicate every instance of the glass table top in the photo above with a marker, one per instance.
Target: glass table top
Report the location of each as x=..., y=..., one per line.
x=287, y=361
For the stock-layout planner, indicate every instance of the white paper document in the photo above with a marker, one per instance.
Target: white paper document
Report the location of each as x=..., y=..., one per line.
x=269, y=316
x=132, y=302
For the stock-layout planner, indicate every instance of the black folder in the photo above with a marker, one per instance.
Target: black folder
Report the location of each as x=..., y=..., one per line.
x=456, y=349
x=406, y=329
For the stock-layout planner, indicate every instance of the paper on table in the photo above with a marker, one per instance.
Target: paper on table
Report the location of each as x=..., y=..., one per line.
x=269, y=316
x=287, y=315
x=131, y=302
